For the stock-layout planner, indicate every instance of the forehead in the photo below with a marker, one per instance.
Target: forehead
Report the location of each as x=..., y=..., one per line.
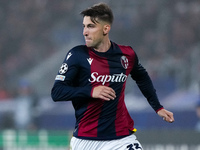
x=87, y=20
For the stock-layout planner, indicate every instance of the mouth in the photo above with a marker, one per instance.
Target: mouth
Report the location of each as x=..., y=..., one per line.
x=87, y=39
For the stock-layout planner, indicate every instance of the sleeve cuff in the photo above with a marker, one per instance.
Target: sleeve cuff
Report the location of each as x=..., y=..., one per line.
x=159, y=109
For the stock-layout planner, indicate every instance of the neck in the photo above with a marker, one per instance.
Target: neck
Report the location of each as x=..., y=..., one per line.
x=104, y=46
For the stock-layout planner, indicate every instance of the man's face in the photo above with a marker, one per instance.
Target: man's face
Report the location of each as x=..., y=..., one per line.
x=93, y=32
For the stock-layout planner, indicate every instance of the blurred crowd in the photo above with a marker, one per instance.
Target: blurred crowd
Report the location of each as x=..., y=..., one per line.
x=28, y=29
x=165, y=34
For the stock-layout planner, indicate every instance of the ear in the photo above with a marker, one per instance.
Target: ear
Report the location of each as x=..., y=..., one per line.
x=106, y=29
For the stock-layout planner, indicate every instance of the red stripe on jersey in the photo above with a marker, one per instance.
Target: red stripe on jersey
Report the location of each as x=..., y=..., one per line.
x=129, y=53
x=89, y=123
x=124, y=122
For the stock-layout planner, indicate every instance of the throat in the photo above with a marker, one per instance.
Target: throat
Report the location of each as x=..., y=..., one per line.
x=103, y=48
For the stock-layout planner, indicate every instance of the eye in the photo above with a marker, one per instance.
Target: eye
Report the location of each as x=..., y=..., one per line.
x=91, y=25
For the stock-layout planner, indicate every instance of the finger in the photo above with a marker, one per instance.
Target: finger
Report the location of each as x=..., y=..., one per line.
x=169, y=119
x=109, y=89
x=104, y=92
x=104, y=98
x=110, y=93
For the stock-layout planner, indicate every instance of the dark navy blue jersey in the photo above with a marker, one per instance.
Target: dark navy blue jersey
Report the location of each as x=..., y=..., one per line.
x=82, y=70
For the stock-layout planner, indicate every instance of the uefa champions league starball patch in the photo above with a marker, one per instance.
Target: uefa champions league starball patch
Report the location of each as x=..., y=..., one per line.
x=63, y=68
x=124, y=62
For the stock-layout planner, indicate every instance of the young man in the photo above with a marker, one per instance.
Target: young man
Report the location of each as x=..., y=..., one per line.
x=93, y=77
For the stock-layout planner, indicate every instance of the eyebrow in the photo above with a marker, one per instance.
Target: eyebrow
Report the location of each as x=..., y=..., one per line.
x=91, y=23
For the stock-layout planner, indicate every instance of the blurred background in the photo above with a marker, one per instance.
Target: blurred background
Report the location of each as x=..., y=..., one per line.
x=37, y=34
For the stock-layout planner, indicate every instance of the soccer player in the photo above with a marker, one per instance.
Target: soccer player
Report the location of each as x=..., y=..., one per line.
x=93, y=76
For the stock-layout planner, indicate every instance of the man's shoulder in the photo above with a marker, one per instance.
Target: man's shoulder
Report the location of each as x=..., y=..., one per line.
x=79, y=48
x=126, y=49
x=78, y=52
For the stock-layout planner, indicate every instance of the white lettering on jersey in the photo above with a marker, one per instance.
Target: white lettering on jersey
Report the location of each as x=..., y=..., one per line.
x=107, y=78
x=69, y=55
x=90, y=60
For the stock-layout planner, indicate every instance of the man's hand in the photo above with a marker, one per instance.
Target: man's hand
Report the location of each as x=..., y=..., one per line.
x=166, y=115
x=103, y=92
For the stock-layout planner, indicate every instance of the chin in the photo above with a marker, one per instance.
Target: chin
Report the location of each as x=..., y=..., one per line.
x=89, y=45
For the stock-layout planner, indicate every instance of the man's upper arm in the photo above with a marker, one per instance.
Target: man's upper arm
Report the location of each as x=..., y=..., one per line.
x=64, y=88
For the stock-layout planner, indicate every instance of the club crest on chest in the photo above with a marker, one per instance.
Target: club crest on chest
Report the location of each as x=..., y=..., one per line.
x=124, y=62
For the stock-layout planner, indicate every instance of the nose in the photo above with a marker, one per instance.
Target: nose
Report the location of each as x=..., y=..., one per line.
x=85, y=32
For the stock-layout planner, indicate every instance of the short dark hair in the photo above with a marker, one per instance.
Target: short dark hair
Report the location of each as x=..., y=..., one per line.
x=99, y=11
